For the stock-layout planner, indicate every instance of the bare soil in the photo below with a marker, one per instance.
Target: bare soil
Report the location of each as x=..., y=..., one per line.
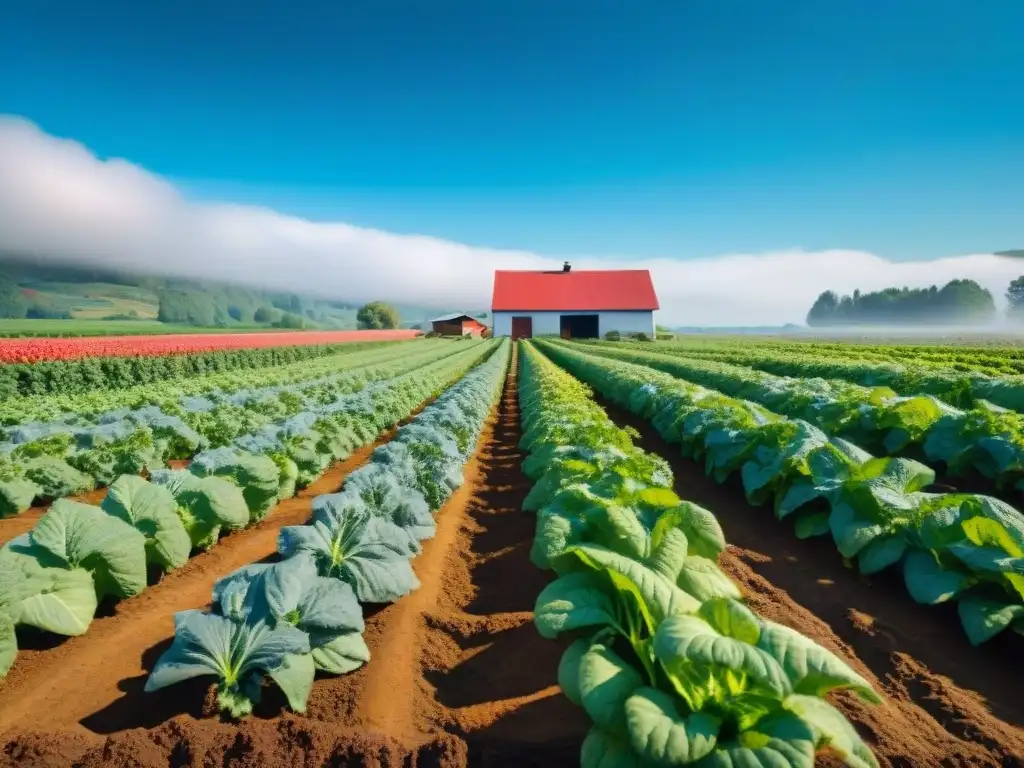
x=458, y=674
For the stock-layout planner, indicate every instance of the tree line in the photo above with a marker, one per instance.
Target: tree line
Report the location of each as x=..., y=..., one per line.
x=958, y=302
x=188, y=302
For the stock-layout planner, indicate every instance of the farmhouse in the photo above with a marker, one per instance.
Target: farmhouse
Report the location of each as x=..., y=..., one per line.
x=584, y=304
x=457, y=324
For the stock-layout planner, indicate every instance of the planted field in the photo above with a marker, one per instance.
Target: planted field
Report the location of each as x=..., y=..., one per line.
x=32, y=350
x=480, y=553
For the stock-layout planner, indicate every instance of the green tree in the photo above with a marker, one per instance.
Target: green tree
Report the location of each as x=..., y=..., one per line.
x=267, y=315
x=292, y=321
x=12, y=301
x=185, y=306
x=378, y=315
x=823, y=311
x=959, y=301
x=1015, y=298
x=967, y=302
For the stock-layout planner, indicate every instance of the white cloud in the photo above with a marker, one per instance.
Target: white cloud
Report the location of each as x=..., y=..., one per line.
x=58, y=200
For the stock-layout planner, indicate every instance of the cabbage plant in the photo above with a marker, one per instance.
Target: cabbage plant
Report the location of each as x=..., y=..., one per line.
x=72, y=535
x=150, y=509
x=205, y=505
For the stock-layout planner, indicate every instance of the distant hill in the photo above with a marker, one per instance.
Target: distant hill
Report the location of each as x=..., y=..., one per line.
x=1017, y=254
x=34, y=291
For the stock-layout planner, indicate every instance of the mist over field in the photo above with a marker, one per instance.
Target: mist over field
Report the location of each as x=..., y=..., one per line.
x=60, y=202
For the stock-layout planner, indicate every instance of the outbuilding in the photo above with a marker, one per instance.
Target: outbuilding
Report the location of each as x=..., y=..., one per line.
x=583, y=304
x=457, y=324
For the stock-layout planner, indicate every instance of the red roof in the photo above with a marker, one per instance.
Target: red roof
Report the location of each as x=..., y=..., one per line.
x=558, y=291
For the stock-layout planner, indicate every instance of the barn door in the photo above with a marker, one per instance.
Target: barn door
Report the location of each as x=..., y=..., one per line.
x=522, y=328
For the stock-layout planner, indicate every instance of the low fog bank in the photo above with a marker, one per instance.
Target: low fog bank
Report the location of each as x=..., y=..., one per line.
x=925, y=334
x=61, y=203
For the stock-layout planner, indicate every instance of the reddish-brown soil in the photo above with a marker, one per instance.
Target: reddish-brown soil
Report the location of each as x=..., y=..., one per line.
x=458, y=674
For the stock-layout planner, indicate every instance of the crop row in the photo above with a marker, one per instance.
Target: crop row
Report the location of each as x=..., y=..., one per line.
x=89, y=374
x=950, y=546
x=67, y=458
x=36, y=350
x=94, y=402
x=997, y=361
x=671, y=666
x=76, y=555
x=960, y=389
x=984, y=438
x=287, y=620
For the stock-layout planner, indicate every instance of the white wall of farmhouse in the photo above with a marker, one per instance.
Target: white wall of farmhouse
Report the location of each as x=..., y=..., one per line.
x=548, y=323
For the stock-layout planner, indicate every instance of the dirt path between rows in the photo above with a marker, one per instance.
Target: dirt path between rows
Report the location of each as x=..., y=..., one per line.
x=461, y=655
x=101, y=674
x=948, y=704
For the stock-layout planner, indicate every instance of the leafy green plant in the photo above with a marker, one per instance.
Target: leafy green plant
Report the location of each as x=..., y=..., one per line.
x=669, y=665
x=962, y=547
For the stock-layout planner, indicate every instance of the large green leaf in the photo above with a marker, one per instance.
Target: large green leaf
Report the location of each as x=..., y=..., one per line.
x=832, y=730
x=696, y=655
x=605, y=682
x=569, y=670
x=602, y=750
x=150, y=509
x=660, y=596
x=703, y=531
x=574, y=601
x=881, y=553
x=662, y=736
x=705, y=580
x=78, y=535
x=811, y=669
x=983, y=619
x=850, y=531
x=733, y=619
x=295, y=679
x=777, y=742
x=928, y=582
x=54, y=599
x=343, y=654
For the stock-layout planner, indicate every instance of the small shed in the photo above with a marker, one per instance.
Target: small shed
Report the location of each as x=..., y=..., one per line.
x=573, y=304
x=457, y=324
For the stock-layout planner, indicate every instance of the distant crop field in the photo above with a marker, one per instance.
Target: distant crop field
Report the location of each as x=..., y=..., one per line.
x=93, y=327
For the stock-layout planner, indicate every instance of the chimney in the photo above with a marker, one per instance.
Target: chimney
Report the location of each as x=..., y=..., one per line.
x=566, y=267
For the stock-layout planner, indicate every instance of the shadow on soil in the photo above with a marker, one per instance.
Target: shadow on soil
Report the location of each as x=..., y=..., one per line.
x=138, y=709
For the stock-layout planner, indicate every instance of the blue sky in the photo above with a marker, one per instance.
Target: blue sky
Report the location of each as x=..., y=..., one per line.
x=629, y=128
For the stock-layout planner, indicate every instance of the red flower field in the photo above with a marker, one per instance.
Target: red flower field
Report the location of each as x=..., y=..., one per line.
x=38, y=349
